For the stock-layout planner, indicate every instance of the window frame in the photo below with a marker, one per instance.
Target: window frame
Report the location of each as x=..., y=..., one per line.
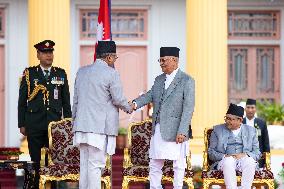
x=139, y=11
x=278, y=25
x=2, y=15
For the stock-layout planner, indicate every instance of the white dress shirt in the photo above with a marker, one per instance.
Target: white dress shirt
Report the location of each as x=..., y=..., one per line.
x=42, y=68
x=161, y=149
x=237, y=131
x=250, y=122
x=170, y=78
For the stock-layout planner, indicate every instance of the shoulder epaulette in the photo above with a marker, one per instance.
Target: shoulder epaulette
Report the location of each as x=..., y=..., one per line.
x=58, y=69
x=31, y=68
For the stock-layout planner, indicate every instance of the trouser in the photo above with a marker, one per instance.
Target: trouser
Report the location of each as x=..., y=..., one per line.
x=35, y=143
x=92, y=161
x=156, y=173
x=246, y=165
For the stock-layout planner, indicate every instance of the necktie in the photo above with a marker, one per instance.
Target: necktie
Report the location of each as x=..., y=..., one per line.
x=46, y=75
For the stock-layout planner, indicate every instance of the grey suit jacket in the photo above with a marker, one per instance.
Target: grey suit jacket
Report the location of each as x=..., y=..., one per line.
x=98, y=95
x=219, y=140
x=176, y=108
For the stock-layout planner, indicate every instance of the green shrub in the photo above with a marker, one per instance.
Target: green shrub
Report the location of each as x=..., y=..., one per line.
x=122, y=131
x=271, y=112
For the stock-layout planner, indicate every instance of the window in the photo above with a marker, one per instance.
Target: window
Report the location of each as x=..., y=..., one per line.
x=254, y=71
x=265, y=60
x=2, y=23
x=125, y=24
x=254, y=24
x=238, y=69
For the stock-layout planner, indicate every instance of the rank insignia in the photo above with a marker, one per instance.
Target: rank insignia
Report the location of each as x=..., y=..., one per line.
x=57, y=81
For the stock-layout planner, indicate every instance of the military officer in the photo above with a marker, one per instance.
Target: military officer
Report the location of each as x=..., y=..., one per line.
x=43, y=97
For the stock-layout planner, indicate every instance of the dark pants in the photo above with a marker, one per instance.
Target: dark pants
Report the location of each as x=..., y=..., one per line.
x=35, y=143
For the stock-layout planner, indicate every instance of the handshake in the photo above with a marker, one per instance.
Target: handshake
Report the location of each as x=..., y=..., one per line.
x=133, y=106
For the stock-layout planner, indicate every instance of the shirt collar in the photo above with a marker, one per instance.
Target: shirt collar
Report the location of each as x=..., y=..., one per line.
x=173, y=74
x=42, y=68
x=250, y=119
x=237, y=131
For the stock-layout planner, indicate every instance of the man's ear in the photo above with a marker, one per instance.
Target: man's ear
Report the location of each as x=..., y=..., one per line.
x=37, y=54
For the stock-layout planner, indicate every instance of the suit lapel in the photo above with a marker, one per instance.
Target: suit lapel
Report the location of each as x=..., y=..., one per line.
x=226, y=134
x=40, y=73
x=52, y=73
x=161, y=85
x=244, y=136
x=255, y=122
x=173, y=85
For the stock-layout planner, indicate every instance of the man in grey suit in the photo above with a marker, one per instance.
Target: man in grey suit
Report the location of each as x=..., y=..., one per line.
x=97, y=97
x=234, y=146
x=172, y=96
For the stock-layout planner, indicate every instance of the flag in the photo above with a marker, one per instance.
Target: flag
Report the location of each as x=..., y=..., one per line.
x=103, y=26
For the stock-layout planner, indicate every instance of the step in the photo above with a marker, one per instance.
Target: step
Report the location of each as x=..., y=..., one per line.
x=117, y=168
x=8, y=187
x=8, y=182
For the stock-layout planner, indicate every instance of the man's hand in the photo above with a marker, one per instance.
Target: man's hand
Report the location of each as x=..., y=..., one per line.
x=239, y=156
x=180, y=138
x=132, y=106
x=23, y=130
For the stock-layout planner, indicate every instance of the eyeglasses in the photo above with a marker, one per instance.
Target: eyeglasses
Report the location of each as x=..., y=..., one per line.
x=113, y=56
x=226, y=118
x=163, y=60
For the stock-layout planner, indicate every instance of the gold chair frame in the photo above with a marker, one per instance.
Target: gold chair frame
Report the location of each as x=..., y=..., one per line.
x=127, y=163
x=72, y=177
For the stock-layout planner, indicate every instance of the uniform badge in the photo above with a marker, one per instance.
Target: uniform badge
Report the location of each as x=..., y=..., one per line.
x=258, y=130
x=57, y=81
x=55, y=94
x=53, y=81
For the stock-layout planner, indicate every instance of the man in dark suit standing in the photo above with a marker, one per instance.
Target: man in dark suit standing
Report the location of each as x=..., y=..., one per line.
x=43, y=97
x=259, y=125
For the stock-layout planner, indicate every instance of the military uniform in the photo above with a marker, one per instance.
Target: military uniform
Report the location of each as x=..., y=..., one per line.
x=42, y=99
x=47, y=105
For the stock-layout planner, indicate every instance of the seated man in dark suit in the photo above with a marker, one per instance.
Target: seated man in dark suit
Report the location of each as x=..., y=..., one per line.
x=260, y=126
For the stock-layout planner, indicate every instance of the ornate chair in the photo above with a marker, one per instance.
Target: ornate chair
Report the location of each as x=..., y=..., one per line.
x=261, y=177
x=63, y=157
x=136, y=158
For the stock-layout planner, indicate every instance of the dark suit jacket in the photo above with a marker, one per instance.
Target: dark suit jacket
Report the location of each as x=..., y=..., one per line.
x=264, y=145
x=35, y=115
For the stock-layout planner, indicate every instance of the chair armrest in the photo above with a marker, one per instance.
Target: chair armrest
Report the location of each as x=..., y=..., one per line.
x=45, y=153
x=267, y=159
x=126, y=159
x=205, y=161
x=108, y=163
x=188, y=161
